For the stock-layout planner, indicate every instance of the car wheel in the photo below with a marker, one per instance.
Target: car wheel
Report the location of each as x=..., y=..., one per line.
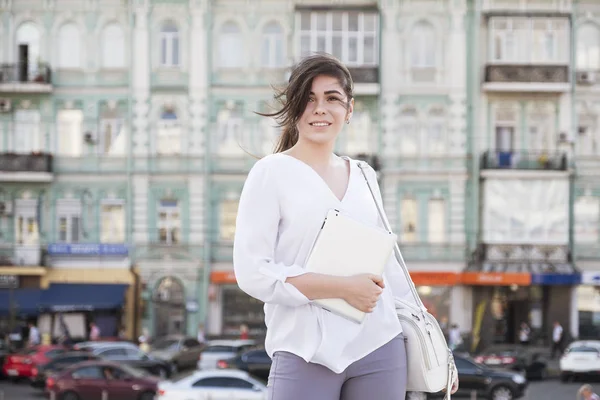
x=70, y=396
x=416, y=396
x=147, y=396
x=502, y=393
x=162, y=373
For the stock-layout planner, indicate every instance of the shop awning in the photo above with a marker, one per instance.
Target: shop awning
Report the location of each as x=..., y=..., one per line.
x=82, y=297
x=24, y=301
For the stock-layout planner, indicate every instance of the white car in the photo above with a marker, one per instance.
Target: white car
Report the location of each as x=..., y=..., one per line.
x=213, y=385
x=216, y=350
x=581, y=357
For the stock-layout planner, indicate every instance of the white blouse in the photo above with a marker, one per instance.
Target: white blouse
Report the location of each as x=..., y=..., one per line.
x=282, y=207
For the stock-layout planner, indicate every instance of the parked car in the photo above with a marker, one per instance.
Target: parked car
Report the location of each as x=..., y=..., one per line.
x=256, y=362
x=580, y=358
x=58, y=364
x=217, y=350
x=127, y=353
x=213, y=384
x=90, y=379
x=181, y=352
x=488, y=383
x=21, y=364
x=5, y=351
x=530, y=360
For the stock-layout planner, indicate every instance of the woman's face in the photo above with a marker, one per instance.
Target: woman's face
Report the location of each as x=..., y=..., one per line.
x=326, y=111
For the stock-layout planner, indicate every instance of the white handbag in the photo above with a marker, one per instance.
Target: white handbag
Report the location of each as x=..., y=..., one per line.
x=430, y=362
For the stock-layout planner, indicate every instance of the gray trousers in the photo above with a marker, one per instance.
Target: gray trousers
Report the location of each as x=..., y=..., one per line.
x=380, y=375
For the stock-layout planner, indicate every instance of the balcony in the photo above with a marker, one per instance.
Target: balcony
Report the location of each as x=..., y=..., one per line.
x=19, y=78
x=35, y=167
x=538, y=7
x=524, y=160
x=433, y=164
x=156, y=164
x=20, y=255
x=432, y=252
x=526, y=77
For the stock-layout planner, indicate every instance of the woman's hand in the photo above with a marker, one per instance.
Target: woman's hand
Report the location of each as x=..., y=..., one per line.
x=362, y=291
x=454, y=384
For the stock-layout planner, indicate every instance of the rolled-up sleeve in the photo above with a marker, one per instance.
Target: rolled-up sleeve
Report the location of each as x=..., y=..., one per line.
x=394, y=274
x=257, y=226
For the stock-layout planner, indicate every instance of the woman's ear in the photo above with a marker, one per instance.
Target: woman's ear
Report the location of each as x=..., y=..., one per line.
x=350, y=109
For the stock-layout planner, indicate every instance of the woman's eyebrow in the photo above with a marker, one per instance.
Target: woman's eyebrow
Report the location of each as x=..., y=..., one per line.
x=329, y=92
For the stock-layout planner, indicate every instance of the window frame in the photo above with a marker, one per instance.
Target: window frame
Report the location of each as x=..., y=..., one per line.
x=69, y=209
x=271, y=40
x=224, y=40
x=167, y=39
x=74, y=45
x=113, y=202
x=168, y=223
x=111, y=64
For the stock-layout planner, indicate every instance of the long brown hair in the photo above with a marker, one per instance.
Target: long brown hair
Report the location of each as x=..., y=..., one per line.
x=294, y=97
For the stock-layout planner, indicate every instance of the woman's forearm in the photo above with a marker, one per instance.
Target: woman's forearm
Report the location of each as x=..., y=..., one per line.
x=319, y=286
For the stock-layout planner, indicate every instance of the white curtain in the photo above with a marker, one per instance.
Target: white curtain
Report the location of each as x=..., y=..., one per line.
x=113, y=46
x=231, y=46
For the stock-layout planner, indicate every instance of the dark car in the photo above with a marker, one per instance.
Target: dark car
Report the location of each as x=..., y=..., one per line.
x=487, y=383
x=98, y=380
x=127, y=353
x=256, y=362
x=531, y=361
x=41, y=372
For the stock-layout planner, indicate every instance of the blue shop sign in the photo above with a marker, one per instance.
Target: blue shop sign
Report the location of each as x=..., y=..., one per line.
x=555, y=279
x=87, y=249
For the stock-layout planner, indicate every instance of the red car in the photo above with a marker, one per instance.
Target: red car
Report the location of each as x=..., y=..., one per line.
x=97, y=380
x=21, y=365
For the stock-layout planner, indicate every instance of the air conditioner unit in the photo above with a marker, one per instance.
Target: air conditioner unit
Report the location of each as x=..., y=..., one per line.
x=89, y=137
x=6, y=208
x=586, y=77
x=5, y=105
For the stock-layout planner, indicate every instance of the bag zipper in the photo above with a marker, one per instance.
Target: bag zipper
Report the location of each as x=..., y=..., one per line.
x=421, y=339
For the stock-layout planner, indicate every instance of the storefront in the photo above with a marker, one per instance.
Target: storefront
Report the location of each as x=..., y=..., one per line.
x=588, y=305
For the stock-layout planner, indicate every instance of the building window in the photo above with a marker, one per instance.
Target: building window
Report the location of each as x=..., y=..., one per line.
x=272, y=46
x=27, y=133
x=28, y=50
x=69, y=46
x=231, y=46
x=409, y=132
x=436, y=215
x=112, y=215
x=423, y=46
x=169, y=45
x=588, y=47
x=588, y=142
x=360, y=135
x=26, y=228
x=168, y=135
x=436, y=141
x=587, y=220
x=505, y=119
x=230, y=122
x=351, y=36
x=113, y=46
x=540, y=121
x=69, y=220
x=169, y=222
x=111, y=140
x=588, y=306
x=70, y=140
x=227, y=218
x=529, y=40
x=409, y=216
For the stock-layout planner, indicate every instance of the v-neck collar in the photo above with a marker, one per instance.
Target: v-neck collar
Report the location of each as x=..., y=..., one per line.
x=320, y=178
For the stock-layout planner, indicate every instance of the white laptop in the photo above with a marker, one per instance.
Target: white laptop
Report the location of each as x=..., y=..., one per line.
x=347, y=247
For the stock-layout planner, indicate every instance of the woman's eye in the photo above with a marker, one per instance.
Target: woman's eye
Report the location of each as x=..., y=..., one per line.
x=310, y=99
x=333, y=99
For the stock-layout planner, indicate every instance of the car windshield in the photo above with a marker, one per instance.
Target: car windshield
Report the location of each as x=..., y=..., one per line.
x=166, y=344
x=134, y=372
x=583, y=349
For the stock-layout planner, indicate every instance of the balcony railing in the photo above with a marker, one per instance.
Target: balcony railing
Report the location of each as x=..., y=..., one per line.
x=364, y=74
x=524, y=160
x=433, y=251
x=20, y=255
x=514, y=73
x=587, y=251
x=21, y=73
x=12, y=162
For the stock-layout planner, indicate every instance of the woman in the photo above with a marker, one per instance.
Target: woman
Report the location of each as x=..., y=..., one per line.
x=317, y=354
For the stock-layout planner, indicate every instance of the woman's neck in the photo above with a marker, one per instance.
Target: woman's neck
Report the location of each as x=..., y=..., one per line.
x=315, y=154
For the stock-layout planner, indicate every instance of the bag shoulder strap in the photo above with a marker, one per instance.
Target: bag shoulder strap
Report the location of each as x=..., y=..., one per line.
x=397, y=252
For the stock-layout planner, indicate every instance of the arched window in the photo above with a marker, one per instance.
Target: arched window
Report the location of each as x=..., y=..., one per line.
x=69, y=46
x=231, y=47
x=588, y=47
x=113, y=46
x=168, y=135
x=436, y=142
x=169, y=45
x=28, y=50
x=272, y=50
x=422, y=42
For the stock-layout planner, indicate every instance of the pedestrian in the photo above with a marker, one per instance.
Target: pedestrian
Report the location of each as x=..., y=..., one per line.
x=317, y=354
x=94, y=332
x=587, y=393
x=201, y=337
x=524, y=333
x=557, y=337
x=34, y=338
x=454, y=337
x=244, y=335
